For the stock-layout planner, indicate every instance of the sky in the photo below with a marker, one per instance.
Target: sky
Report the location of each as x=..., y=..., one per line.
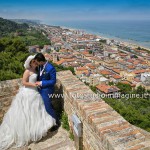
x=72, y=10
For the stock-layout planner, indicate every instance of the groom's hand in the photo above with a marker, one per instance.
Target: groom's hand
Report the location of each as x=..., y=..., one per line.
x=38, y=83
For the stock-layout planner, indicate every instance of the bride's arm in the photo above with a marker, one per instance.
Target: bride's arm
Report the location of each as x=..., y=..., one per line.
x=25, y=79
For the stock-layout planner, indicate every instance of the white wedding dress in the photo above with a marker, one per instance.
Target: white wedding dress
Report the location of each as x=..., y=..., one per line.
x=26, y=119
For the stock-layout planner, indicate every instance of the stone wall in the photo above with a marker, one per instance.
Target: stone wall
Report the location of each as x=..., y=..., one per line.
x=103, y=128
x=8, y=90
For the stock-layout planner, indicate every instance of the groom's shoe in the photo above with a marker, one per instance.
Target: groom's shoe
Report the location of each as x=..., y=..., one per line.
x=58, y=123
x=54, y=128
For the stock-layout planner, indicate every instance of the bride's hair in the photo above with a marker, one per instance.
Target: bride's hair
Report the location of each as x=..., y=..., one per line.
x=40, y=57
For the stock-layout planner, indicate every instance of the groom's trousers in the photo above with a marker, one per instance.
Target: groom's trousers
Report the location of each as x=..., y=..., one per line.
x=47, y=102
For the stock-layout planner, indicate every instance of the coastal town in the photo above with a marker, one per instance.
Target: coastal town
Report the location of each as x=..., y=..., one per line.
x=75, y=75
x=97, y=61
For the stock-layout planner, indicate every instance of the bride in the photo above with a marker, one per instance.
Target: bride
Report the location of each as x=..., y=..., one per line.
x=26, y=119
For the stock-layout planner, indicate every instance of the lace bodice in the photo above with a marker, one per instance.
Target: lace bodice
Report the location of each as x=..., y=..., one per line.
x=33, y=78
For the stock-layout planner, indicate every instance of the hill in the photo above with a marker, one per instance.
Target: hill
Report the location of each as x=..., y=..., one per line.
x=7, y=27
x=30, y=22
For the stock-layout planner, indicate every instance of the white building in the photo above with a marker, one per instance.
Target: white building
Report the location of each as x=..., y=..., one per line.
x=145, y=78
x=96, y=79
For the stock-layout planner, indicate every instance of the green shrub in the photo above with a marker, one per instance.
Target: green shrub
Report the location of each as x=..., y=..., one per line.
x=64, y=120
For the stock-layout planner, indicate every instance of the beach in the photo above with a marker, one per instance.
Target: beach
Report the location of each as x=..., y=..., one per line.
x=135, y=33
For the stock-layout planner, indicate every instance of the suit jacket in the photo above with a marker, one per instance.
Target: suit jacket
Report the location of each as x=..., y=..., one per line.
x=48, y=78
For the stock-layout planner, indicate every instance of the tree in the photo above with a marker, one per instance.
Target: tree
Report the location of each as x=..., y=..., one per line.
x=71, y=69
x=93, y=88
x=140, y=90
x=12, y=57
x=102, y=41
x=90, y=52
x=124, y=88
x=111, y=83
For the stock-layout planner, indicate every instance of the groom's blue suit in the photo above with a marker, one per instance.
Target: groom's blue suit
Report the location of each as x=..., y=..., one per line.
x=48, y=79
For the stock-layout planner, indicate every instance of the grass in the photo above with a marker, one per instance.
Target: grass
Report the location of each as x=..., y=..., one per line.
x=65, y=124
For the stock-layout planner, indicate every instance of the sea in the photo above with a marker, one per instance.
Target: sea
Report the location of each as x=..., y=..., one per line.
x=137, y=31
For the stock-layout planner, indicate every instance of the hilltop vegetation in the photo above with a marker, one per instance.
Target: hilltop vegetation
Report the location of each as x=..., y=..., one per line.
x=7, y=27
x=30, y=22
x=13, y=53
x=14, y=41
x=34, y=37
x=28, y=35
x=135, y=109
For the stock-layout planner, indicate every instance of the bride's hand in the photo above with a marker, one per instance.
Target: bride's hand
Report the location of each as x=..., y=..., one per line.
x=34, y=85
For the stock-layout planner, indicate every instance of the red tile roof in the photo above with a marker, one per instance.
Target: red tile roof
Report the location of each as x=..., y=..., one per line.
x=105, y=72
x=116, y=70
x=82, y=69
x=139, y=71
x=85, y=52
x=107, y=89
x=123, y=54
x=131, y=67
x=116, y=76
x=136, y=62
x=130, y=60
x=60, y=62
x=127, y=82
x=137, y=80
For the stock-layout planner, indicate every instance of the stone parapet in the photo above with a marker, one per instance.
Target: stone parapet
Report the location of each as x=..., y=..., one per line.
x=103, y=128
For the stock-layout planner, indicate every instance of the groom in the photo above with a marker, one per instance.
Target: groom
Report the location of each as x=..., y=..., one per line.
x=46, y=82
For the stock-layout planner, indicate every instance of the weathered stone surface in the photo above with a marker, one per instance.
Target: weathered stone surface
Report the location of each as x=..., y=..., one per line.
x=103, y=128
x=58, y=140
x=8, y=89
x=53, y=141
